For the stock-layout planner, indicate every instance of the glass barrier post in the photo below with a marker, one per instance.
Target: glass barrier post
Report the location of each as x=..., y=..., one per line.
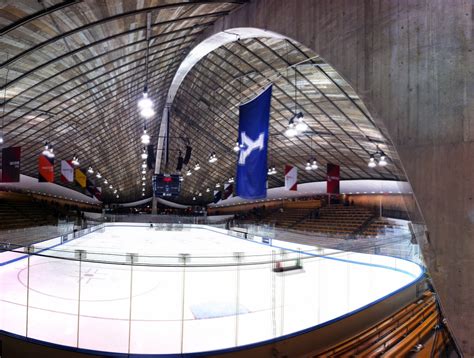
x=183, y=258
x=78, y=255
x=238, y=257
x=282, y=302
x=29, y=251
x=273, y=282
x=132, y=257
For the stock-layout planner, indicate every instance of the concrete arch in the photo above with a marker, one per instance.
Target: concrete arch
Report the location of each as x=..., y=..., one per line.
x=411, y=62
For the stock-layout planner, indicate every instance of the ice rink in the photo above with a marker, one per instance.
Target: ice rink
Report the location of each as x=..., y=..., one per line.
x=161, y=304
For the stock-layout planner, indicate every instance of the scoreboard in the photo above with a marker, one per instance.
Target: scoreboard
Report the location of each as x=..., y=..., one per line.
x=166, y=185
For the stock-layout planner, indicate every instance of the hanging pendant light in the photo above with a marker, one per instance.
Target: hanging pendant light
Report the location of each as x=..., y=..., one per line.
x=291, y=130
x=301, y=126
x=308, y=166
x=189, y=172
x=181, y=178
x=372, y=162
x=143, y=177
x=145, y=138
x=231, y=180
x=213, y=158
x=314, y=164
x=218, y=185
x=145, y=102
x=197, y=166
x=382, y=160
x=90, y=170
x=111, y=186
x=144, y=165
x=208, y=190
x=45, y=151
x=98, y=176
x=143, y=171
x=236, y=147
x=75, y=161
x=51, y=152
x=106, y=182
x=144, y=154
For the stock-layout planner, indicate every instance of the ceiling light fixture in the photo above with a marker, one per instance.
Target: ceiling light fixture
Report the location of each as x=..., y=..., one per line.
x=145, y=138
x=231, y=180
x=98, y=175
x=314, y=164
x=372, y=162
x=144, y=154
x=291, y=130
x=213, y=158
x=90, y=170
x=271, y=171
x=236, y=147
x=75, y=161
x=144, y=165
x=197, y=166
x=378, y=158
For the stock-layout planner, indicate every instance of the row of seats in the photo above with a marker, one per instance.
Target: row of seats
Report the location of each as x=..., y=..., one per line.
x=336, y=219
x=21, y=214
x=286, y=218
x=382, y=227
x=410, y=330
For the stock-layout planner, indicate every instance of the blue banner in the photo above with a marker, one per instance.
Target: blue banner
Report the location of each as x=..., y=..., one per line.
x=252, y=168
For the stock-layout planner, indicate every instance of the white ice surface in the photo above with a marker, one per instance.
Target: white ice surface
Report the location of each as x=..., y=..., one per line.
x=158, y=297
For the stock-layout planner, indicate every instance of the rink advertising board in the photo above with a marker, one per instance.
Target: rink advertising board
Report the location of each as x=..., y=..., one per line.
x=166, y=185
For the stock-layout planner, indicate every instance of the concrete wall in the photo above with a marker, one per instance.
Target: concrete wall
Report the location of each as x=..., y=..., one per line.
x=411, y=62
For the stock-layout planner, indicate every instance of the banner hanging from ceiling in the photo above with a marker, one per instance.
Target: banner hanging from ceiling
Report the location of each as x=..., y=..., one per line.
x=11, y=158
x=291, y=178
x=67, y=171
x=98, y=193
x=45, y=169
x=333, y=177
x=90, y=188
x=217, y=196
x=252, y=168
x=80, y=177
x=228, y=190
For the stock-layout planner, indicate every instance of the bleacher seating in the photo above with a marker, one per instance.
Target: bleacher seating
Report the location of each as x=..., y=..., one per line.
x=384, y=227
x=21, y=214
x=411, y=329
x=285, y=218
x=336, y=220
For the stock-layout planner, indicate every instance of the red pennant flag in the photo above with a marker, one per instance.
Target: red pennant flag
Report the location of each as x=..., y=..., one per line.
x=45, y=169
